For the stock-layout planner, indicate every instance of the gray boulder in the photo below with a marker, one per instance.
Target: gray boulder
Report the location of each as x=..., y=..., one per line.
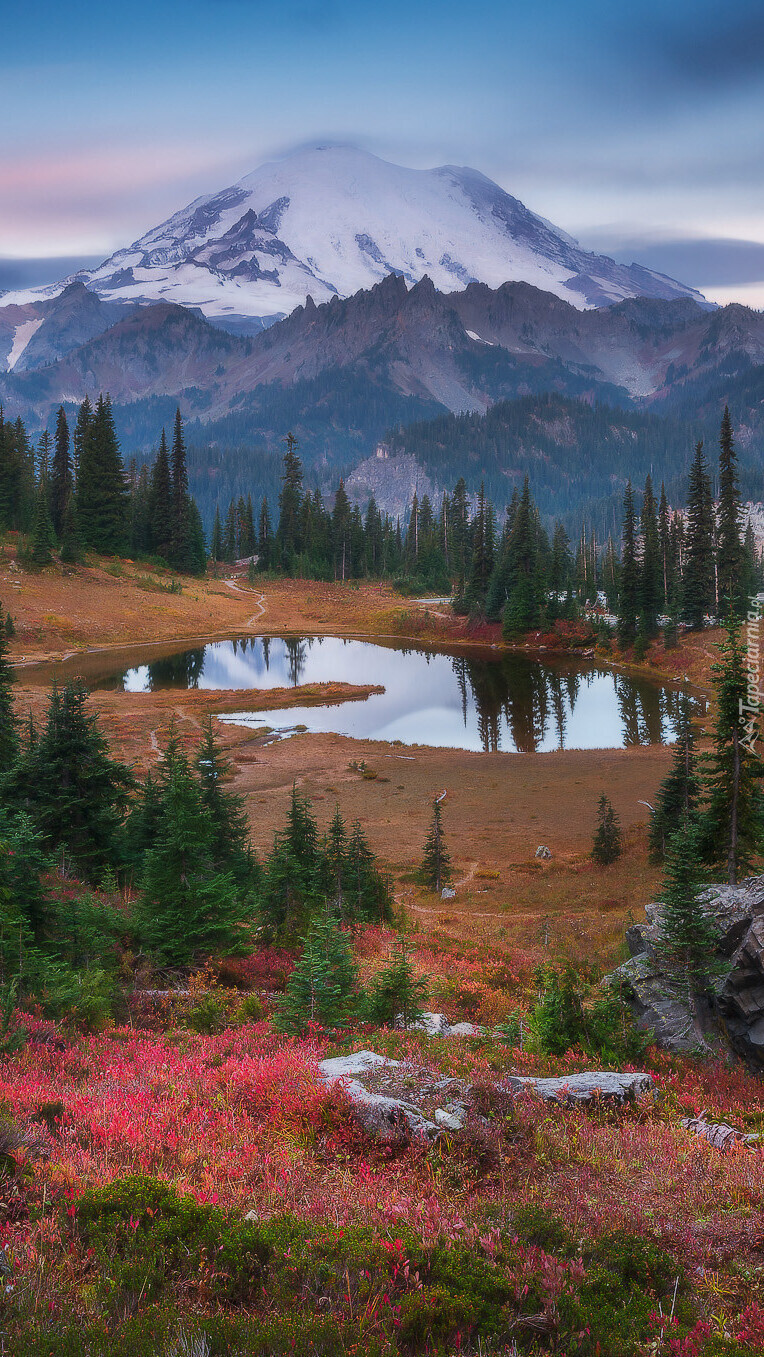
x=583, y=1088
x=543, y=852
x=383, y=1116
x=737, y=1008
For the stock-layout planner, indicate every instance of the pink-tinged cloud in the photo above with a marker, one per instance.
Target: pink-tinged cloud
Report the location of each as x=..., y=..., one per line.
x=97, y=198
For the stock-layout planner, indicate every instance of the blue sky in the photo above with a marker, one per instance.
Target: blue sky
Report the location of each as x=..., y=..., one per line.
x=638, y=128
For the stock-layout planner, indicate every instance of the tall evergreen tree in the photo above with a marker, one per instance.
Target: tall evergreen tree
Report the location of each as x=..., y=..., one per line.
x=9, y=741
x=698, y=578
x=61, y=474
x=687, y=935
x=341, y=534
x=265, y=537
x=161, y=507
x=321, y=990
x=287, y=534
x=732, y=825
x=216, y=545
x=436, y=863
x=650, y=583
x=75, y=793
x=729, y=555
x=226, y=816
x=188, y=908
x=678, y=795
x=607, y=845
x=102, y=499
x=42, y=530
x=71, y=541
x=667, y=563
x=628, y=602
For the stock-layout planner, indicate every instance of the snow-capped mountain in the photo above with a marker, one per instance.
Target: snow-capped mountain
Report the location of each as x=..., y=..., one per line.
x=331, y=220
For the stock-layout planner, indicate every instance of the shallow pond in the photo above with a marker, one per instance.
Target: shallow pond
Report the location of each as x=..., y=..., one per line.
x=482, y=702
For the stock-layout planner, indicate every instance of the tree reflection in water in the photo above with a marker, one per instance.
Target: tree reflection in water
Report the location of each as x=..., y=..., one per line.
x=177, y=671
x=535, y=699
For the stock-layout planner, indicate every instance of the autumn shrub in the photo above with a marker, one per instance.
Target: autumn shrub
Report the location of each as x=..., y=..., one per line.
x=158, y=1333
x=433, y=1320
x=146, y=1239
x=535, y=1225
x=249, y=1010
x=209, y=1014
x=629, y=1280
x=268, y=969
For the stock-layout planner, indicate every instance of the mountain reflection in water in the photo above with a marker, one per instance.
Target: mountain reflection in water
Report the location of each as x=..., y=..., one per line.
x=510, y=702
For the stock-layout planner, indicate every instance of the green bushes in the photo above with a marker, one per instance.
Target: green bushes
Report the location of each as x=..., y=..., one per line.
x=267, y=1282
x=569, y=1013
x=147, y=1240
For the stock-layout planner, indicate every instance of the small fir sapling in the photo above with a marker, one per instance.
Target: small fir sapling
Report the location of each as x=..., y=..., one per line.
x=397, y=992
x=322, y=988
x=435, y=871
x=607, y=844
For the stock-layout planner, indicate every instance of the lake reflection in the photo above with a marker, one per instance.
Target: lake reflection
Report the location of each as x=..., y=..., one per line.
x=505, y=702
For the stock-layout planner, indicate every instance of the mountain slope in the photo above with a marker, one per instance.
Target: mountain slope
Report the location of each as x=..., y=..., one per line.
x=330, y=221
x=411, y=351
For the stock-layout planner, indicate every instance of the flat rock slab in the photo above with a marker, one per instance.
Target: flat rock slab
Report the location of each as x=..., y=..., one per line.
x=350, y=1066
x=582, y=1088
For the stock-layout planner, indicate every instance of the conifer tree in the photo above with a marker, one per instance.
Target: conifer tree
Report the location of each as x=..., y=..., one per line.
x=249, y=538
x=483, y=556
x=667, y=563
x=81, y=433
x=71, y=541
x=628, y=602
x=650, y=584
x=341, y=532
x=102, y=499
x=161, y=503
x=435, y=870
x=729, y=556
x=366, y=891
x=216, y=545
x=687, y=935
x=698, y=578
x=230, y=541
x=607, y=839
x=397, y=994
x=679, y=793
x=61, y=474
x=9, y=741
x=75, y=793
x=732, y=825
x=42, y=531
x=265, y=537
x=321, y=990
x=287, y=534
x=225, y=811
x=336, y=855
x=187, y=908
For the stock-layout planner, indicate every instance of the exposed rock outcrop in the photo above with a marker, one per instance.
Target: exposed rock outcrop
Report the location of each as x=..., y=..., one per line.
x=386, y=1113
x=738, y=1001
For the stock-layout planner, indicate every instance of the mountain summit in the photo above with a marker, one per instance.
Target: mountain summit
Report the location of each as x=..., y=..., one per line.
x=331, y=220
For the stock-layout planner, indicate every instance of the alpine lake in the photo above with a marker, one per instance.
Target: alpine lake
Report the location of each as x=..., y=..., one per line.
x=484, y=700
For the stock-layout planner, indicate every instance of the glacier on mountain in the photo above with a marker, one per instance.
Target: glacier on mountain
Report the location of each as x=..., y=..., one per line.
x=332, y=220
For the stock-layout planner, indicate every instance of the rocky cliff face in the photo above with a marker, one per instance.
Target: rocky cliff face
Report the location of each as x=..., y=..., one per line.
x=738, y=1002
